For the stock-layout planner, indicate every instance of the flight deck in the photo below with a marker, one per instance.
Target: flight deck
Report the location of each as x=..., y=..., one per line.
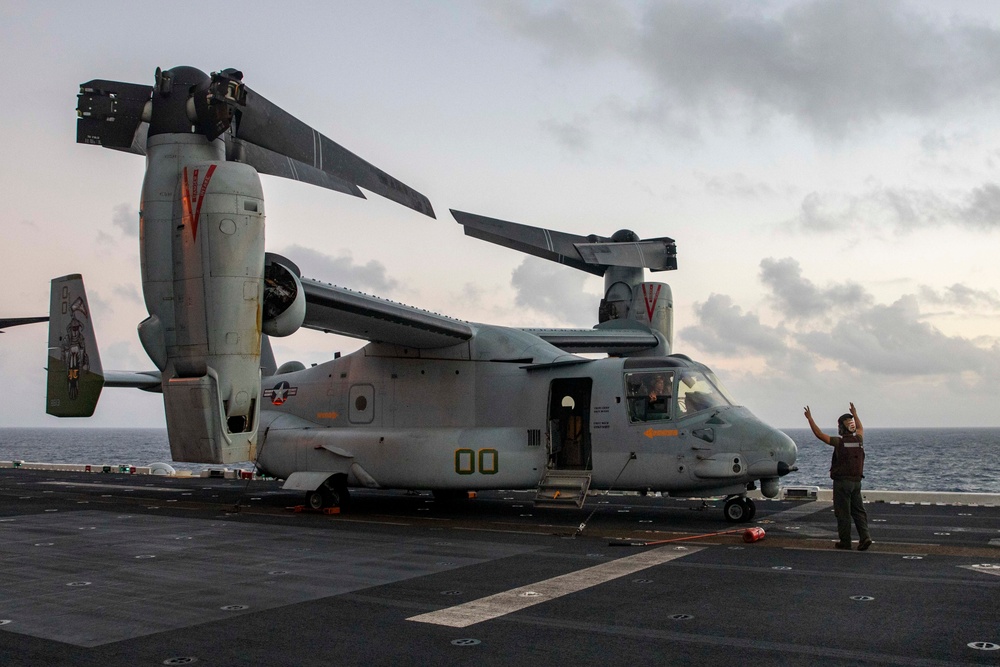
x=120, y=569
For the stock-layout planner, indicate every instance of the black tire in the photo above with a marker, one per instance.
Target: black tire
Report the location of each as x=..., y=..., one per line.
x=751, y=510
x=317, y=499
x=735, y=510
x=343, y=495
x=448, y=496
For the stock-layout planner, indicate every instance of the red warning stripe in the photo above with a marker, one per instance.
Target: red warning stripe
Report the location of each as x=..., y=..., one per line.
x=194, y=195
x=650, y=297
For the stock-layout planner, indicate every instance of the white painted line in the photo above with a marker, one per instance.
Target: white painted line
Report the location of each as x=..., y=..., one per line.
x=516, y=599
x=985, y=568
x=98, y=485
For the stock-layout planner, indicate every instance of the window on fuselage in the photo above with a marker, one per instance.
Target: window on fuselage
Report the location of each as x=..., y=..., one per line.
x=648, y=395
x=695, y=393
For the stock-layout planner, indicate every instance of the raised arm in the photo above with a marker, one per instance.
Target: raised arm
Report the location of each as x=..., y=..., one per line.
x=859, y=429
x=815, y=429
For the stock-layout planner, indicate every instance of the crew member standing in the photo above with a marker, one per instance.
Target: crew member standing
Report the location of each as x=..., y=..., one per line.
x=847, y=469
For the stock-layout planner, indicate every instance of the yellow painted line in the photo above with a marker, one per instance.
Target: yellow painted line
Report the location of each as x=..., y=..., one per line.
x=655, y=433
x=516, y=599
x=327, y=415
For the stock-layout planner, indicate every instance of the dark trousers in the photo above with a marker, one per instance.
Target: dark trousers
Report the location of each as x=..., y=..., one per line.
x=847, y=505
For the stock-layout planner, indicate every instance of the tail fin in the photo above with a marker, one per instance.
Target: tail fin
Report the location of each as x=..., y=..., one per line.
x=75, y=376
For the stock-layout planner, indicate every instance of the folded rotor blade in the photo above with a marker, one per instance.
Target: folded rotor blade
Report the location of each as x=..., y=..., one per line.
x=545, y=243
x=265, y=124
x=110, y=113
x=654, y=254
x=269, y=162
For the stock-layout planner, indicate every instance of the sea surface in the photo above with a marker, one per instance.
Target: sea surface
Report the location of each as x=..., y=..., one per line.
x=897, y=459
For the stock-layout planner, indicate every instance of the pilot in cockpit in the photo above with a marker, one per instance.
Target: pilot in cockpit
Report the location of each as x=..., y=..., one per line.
x=654, y=402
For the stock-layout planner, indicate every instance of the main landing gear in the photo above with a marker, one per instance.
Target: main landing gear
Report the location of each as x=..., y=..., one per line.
x=739, y=509
x=332, y=493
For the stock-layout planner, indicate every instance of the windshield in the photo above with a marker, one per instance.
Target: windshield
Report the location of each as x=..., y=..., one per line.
x=714, y=379
x=696, y=393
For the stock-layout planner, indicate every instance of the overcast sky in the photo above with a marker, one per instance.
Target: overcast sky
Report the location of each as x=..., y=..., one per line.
x=830, y=171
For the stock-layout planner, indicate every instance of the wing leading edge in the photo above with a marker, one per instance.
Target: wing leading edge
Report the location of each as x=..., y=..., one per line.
x=342, y=311
x=608, y=341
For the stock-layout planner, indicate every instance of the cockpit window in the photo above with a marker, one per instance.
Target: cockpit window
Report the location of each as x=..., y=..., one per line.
x=696, y=393
x=648, y=395
x=713, y=378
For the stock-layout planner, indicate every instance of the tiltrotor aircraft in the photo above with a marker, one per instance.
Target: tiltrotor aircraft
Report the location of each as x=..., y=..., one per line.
x=430, y=402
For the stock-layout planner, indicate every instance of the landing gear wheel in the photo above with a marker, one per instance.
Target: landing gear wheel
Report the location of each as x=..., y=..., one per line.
x=450, y=496
x=739, y=510
x=318, y=499
x=343, y=495
x=734, y=510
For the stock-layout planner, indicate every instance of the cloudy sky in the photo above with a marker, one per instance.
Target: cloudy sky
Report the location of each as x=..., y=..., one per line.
x=830, y=171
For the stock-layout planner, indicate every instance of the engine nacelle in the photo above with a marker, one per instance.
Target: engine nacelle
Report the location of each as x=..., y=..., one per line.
x=284, y=308
x=202, y=247
x=653, y=305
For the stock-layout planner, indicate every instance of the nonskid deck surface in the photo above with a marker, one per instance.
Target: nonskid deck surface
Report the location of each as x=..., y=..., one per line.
x=110, y=569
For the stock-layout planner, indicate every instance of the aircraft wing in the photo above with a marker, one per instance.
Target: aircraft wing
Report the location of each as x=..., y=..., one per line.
x=342, y=311
x=15, y=321
x=610, y=341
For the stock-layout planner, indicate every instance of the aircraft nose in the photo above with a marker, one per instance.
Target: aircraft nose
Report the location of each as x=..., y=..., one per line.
x=785, y=452
x=770, y=452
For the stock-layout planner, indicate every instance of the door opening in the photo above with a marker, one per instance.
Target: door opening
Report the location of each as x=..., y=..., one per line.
x=569, y=424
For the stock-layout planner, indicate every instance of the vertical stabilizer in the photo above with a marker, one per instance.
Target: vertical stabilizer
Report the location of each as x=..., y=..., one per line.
x=75, y=376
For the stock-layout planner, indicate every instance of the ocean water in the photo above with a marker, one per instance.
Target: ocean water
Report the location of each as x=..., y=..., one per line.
x=897, y=459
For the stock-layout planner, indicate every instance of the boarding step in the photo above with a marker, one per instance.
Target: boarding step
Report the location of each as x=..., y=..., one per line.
x=563, y=488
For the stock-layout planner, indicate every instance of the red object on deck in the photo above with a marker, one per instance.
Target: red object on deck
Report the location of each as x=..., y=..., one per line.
x=753, y=534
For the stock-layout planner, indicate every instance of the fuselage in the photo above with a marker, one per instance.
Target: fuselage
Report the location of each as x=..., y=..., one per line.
x=502, y=409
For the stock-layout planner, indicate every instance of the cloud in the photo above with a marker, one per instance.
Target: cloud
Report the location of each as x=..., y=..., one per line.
x=899, y=209
x=724, y=328
x=738, y=186
x=961, y=296
x=833, y=67
x=892, y=340
x=797, y=297
x=574, y=136
x=129, y=292
x=867, y=338
x=126, y=218
x=341, y=270
x=551, y=289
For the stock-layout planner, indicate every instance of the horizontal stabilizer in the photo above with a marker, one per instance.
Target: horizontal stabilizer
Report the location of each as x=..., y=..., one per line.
x=145, y=380
x=342, y=311
x=17, y=321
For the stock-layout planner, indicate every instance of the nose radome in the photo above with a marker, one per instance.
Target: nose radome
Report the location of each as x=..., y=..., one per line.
x=785, y=452
x=769, y=451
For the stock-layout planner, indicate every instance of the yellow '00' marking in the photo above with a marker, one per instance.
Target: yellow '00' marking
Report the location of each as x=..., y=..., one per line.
x=326, y=415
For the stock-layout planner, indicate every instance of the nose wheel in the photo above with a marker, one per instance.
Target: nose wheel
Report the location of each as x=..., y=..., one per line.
x=739, y=509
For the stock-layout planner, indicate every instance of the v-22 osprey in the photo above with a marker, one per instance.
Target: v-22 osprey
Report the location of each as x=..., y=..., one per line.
x=431, y=402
